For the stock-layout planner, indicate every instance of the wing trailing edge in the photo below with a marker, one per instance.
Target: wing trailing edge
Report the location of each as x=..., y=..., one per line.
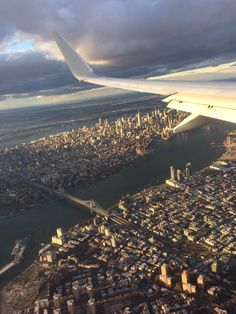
x=205, y=100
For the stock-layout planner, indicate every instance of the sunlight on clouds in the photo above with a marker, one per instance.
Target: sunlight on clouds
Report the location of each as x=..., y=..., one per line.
x=21, y=42
x=100, y=62
x=49, y=49
x=218, y=72
x=79, y=96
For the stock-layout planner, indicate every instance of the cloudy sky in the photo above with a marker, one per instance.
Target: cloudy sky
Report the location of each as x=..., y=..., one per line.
x=117, y=37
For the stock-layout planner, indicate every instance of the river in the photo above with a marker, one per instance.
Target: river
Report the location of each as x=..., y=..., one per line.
x=42, y=222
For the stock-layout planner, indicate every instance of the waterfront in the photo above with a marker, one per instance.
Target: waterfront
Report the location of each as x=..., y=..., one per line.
x=78, y=156
x=178, y=236
x=27, y=124
x=42, y=222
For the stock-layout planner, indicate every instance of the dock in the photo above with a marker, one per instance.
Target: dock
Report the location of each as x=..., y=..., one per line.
x=17, y=252
x=7, y=267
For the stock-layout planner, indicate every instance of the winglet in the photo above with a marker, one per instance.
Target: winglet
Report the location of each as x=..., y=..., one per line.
x=77, y=65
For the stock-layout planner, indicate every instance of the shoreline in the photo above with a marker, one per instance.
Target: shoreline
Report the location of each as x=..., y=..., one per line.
x=94, y=180
x=33, y=266
x=90, y=181
x=114, y=204
x=81, y=156
x=22, y=212
x=90, y=118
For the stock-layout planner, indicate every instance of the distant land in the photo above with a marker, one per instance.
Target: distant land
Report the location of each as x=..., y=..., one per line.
x=24, y=124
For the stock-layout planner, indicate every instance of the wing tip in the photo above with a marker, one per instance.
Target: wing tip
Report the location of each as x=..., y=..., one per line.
x=77, y=65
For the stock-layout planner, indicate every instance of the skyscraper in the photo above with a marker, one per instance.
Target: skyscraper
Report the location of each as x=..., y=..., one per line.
x=214, y=267
x=188, y=169
x=187, y=172
x=91, y=306
x=71, y=306
x=76, y=289
x=139, y=119
x=167, y=280
x=164, y=269
x=185, y=277
x=179, y=175
x=201, y=280
x=57, y=300
x=172, y=173
x=113, y=241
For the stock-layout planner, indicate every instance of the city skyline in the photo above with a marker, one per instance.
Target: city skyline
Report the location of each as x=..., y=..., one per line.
x=118, y=157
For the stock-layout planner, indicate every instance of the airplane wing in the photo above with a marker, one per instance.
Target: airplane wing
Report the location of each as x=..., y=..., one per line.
x=204, y=100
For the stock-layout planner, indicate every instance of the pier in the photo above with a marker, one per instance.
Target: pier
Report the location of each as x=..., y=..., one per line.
x=18, y=252
x=7, y=267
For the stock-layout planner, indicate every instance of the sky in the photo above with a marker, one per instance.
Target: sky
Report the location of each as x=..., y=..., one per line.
x=121, y=38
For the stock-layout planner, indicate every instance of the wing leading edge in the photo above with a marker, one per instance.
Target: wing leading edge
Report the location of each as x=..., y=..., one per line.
x=215, y=100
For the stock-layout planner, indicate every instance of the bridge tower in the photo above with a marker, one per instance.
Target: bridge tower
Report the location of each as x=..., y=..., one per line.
x=91, y=204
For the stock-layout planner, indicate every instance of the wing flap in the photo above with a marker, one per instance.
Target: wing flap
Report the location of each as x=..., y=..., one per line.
x=210, y=111
x=213, y=99
x=191, y=122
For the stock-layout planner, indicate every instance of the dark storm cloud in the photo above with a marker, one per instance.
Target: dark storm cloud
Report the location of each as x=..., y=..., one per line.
x=27, y=72
x=135, y=36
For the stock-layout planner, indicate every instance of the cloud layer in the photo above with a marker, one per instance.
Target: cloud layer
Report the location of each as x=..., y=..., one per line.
x=121, y=37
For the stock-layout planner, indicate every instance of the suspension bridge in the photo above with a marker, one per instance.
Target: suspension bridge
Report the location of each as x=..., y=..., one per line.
x=91, y=205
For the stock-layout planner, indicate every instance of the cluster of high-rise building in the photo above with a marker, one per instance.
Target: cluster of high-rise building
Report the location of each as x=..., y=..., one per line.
x=77, y=156
x=178, y=174
x=230, y=145
x=177, y=249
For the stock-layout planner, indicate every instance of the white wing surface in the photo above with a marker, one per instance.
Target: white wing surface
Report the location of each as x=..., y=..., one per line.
x=215, y=100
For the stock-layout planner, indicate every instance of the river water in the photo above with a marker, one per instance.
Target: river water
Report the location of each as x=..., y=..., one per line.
x=42, y=222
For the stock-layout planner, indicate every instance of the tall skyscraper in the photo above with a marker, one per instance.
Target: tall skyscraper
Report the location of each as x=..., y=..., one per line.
x=71, y=306
x=167, y=280
x=89, y=289
x=187, y=172
x=76, y=290
x=172, y=173
x=164, y=269
x=214, y=267
x=201, y=280
x=91, y=306
x=189, y=167
x=60, y=232
x=185, y=277
x=139, y=119
x=113, y=241
x=57, y=300
x=179, y=175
